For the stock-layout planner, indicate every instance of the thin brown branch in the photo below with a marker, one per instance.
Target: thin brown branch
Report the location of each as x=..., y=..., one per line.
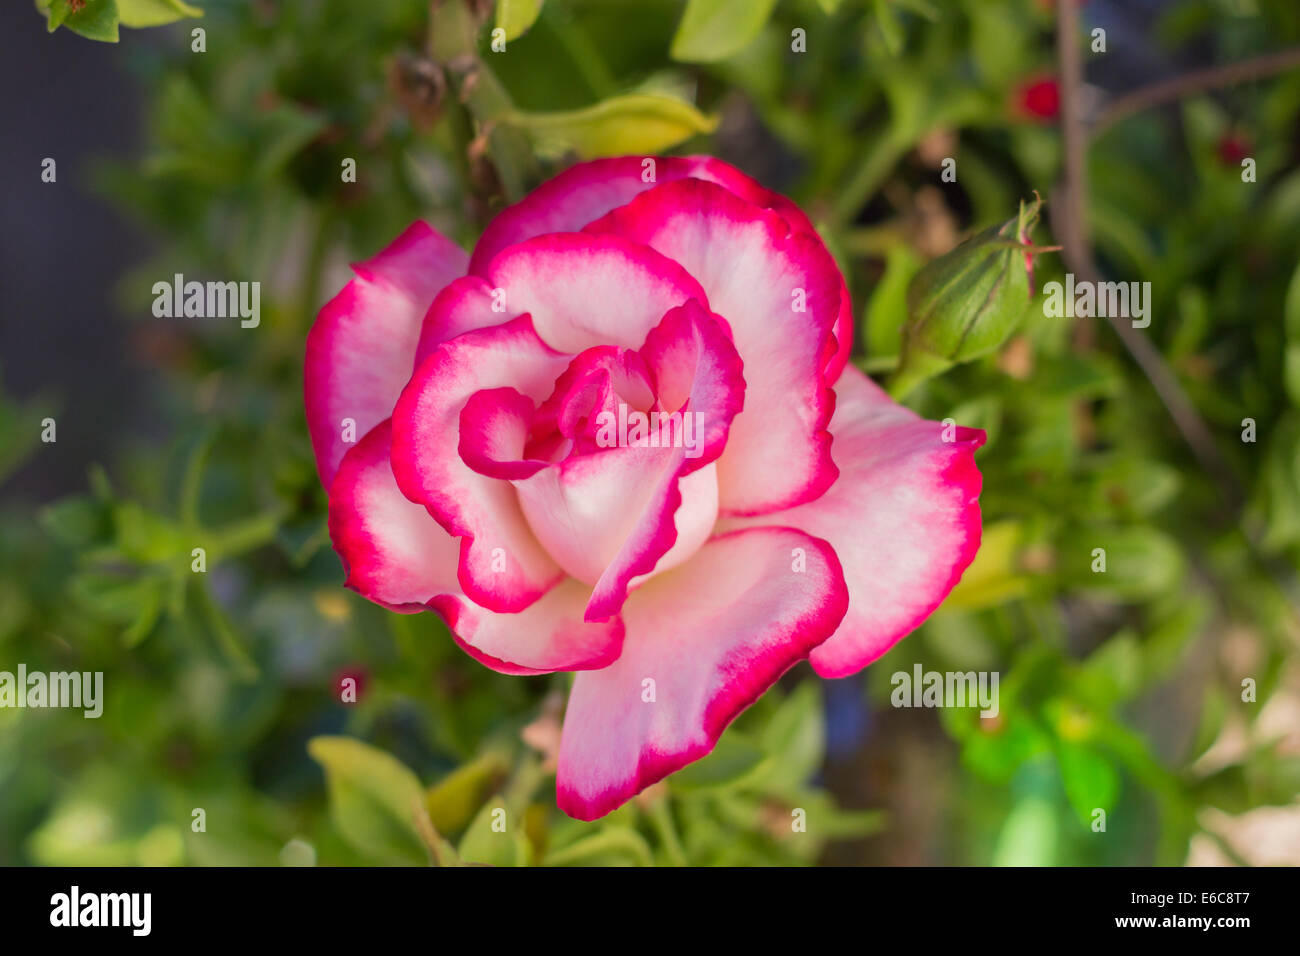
x=1197, y=81
x=1077, y=253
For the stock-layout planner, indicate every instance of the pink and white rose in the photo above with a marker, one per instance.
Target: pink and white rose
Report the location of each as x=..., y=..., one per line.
x=806, y=516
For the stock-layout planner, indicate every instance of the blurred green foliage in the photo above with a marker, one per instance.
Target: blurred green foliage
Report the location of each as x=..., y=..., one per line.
x=224, y=686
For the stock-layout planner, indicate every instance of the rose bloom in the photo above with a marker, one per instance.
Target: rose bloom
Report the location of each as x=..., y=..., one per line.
x=783, y=507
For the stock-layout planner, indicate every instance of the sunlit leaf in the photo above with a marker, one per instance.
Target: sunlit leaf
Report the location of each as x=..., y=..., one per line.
x=373, y=798
x=152, y=13
x=516, y=16
x=638, y=123
x=715, y=29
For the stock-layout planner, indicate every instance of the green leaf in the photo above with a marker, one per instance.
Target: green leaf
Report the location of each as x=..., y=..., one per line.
x=1140, y=561
x=612, y=846
x=733, y=759
x=153, y=13
x=117, y=599
x=1028, y=836
x=228, y=641
x=78, y=522
x=1091, y=781
x=713, y=30
x=97, y=20
x=453, y=801
x=794, y=740
x=890, y=29
x=483, y=844
x=1291, y=309
x=887, y=308
x=1113, y=672
x=994, y=577
x=636, y=124
x=997, y=752
x=148, y=538
x=373, y=799
x=516, y=16
x=825, y=820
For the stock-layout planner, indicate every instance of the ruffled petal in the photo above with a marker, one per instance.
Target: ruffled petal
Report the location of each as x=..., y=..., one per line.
x=702, y=643
x=398, y=556
x=780, y=293
x=394, y=553
x=587, y=191
x=361, y=350
x=904, y=519
x=585, y=290
x=502, y=566
x=636, y=506
x=548, y=635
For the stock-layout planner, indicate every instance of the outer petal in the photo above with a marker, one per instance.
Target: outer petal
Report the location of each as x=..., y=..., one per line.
x=502, y=566
x=758, y=275
x=713, y=635
x=361, y=350
x=398, y=556
x=904, y=519
x=548, y=635
x=394, y=553
x=587, y=191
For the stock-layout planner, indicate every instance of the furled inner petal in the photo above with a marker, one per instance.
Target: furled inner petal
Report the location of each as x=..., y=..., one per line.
x=637, y=491
x=502, y=566
x=780, y=293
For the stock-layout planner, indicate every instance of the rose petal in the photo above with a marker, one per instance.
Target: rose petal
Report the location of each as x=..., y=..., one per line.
x=618, y=513
x=361, y=349
x=397, y=555
x=585, y=290
x=587, y=191
x=711, y=643
x=756, y=274
x=548, y=635
x=502, y=566
x=394, y=553
x=904, y=519
x=494, y=426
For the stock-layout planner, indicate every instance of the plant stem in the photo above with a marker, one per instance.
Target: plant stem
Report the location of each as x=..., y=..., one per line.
x=1077, y=253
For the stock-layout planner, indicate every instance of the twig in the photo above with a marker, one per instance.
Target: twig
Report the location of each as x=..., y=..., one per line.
x=1197, y=81
x=1077, y=253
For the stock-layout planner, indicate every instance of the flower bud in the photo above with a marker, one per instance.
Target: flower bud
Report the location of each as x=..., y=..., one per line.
x=966, y=303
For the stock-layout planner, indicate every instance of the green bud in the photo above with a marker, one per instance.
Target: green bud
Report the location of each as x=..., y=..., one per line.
x=966, y=303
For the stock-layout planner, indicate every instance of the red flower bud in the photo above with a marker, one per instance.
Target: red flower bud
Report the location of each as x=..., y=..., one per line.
x=1039, y=98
